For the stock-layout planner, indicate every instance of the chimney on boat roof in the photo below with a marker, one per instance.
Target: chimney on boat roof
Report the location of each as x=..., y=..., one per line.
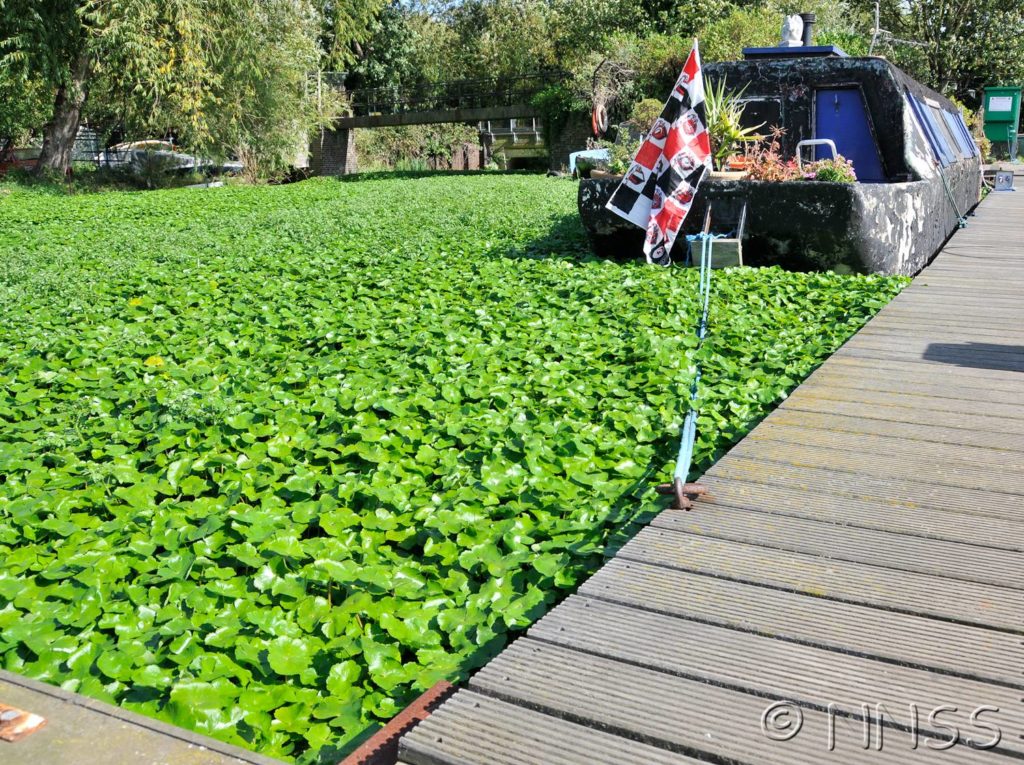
x=809, y=19
x=797, y=42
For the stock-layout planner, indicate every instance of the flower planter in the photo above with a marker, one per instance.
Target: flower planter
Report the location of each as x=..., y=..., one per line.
x=728, y=175
x=604, y=175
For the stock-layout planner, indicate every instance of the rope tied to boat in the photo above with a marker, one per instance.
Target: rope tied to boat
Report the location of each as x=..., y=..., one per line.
x=961, y=220
x=685, y=492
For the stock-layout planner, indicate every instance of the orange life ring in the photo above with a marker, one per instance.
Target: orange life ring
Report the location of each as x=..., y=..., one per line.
x=599, y=120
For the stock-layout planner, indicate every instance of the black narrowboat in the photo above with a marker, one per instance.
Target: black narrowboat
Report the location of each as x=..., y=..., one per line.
x=918, y=168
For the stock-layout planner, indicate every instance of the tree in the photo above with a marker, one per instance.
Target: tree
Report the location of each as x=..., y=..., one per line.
x=502, y=38
x=955, y=47
x=387, y=58
x=205, y=70
x=266, y=105
x=24, y=107
x=345, y=24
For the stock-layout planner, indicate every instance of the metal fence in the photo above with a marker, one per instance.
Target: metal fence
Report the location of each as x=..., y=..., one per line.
x=457, y=94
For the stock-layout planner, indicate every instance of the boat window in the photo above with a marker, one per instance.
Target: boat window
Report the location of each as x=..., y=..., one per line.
x=924, y=119
x=939, y=118
x=761, y=114
x=956, y=120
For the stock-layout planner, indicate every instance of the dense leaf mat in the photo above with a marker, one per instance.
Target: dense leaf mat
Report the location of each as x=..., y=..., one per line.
x=274, y=459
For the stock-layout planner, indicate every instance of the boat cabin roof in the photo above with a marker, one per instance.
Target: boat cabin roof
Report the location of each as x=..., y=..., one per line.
x=877, y=115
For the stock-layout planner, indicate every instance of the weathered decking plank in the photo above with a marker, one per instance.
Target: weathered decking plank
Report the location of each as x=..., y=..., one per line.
x=964, y=356
x=906, y=493
x=671, y=712
x=897, y=465
x=909, y=414
x=474, y=728
x=939, y=434
x=930, y=373
x=950, y=407
x=863, y=545
x=952, y=560
x=917, y=521
x=768, y=667
x=904, y=639
x=982, y=605
x=968, y=454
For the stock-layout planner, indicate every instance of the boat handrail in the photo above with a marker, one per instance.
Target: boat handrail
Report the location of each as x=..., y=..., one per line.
x=814, y=142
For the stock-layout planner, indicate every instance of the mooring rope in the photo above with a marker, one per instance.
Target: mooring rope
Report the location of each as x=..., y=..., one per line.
x=688, y=434
x=961, y=221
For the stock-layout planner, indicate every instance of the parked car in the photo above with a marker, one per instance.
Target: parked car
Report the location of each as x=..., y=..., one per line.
x=141, y=155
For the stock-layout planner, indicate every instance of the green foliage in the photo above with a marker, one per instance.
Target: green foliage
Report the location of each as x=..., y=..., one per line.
x=344, y=24
x=620, y=152
x=222, y=76
x=277, y=458
x=838, y=170
x=556, y=105
x=852, y=43
x=645, y=112
x=582, y=26
x=403, y=147
x=956, y=49
x=725, y=37
x=724, y=111
x=500, y=38
x=388, y=54
x=25, y=103
x=265, y=107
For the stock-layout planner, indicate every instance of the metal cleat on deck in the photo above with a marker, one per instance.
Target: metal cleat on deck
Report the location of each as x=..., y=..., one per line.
x=684, y=493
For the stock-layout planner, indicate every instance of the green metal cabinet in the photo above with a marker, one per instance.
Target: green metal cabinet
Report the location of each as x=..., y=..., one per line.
x=1002, y=115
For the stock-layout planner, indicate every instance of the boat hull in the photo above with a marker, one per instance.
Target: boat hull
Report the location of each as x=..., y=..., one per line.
x=887, y=228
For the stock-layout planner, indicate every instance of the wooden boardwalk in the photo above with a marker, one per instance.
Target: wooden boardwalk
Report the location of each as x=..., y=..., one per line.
x=863, y=545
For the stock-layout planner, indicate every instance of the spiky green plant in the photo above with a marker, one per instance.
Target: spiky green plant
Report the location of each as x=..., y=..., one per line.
x=724, y=112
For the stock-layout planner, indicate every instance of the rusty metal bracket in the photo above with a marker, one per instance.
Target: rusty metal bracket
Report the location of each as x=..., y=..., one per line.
x=684, y=493
x=15, y=724
x=382, y=747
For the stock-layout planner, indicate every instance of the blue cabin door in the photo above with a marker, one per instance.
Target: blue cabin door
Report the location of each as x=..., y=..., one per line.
x=839, y=114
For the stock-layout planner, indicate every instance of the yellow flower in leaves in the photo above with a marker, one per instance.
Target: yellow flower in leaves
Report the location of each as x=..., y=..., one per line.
x=135, y=302
x=154, y=361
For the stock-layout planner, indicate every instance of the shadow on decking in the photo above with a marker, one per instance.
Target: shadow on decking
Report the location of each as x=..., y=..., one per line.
x=1009, y=358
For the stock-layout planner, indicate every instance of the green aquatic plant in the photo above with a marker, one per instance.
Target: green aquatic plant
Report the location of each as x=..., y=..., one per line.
x=276, y=459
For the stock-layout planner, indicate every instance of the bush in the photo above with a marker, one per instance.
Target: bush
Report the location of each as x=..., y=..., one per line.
x=621, y=152
x=557, y=104
x=410, y=146
x=645, y=112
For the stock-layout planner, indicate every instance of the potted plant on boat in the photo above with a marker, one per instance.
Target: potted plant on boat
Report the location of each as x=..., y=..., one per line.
x=764, y=161
x=724, y=114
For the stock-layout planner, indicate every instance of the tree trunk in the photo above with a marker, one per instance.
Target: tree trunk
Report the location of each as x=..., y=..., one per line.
x=59, y=133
